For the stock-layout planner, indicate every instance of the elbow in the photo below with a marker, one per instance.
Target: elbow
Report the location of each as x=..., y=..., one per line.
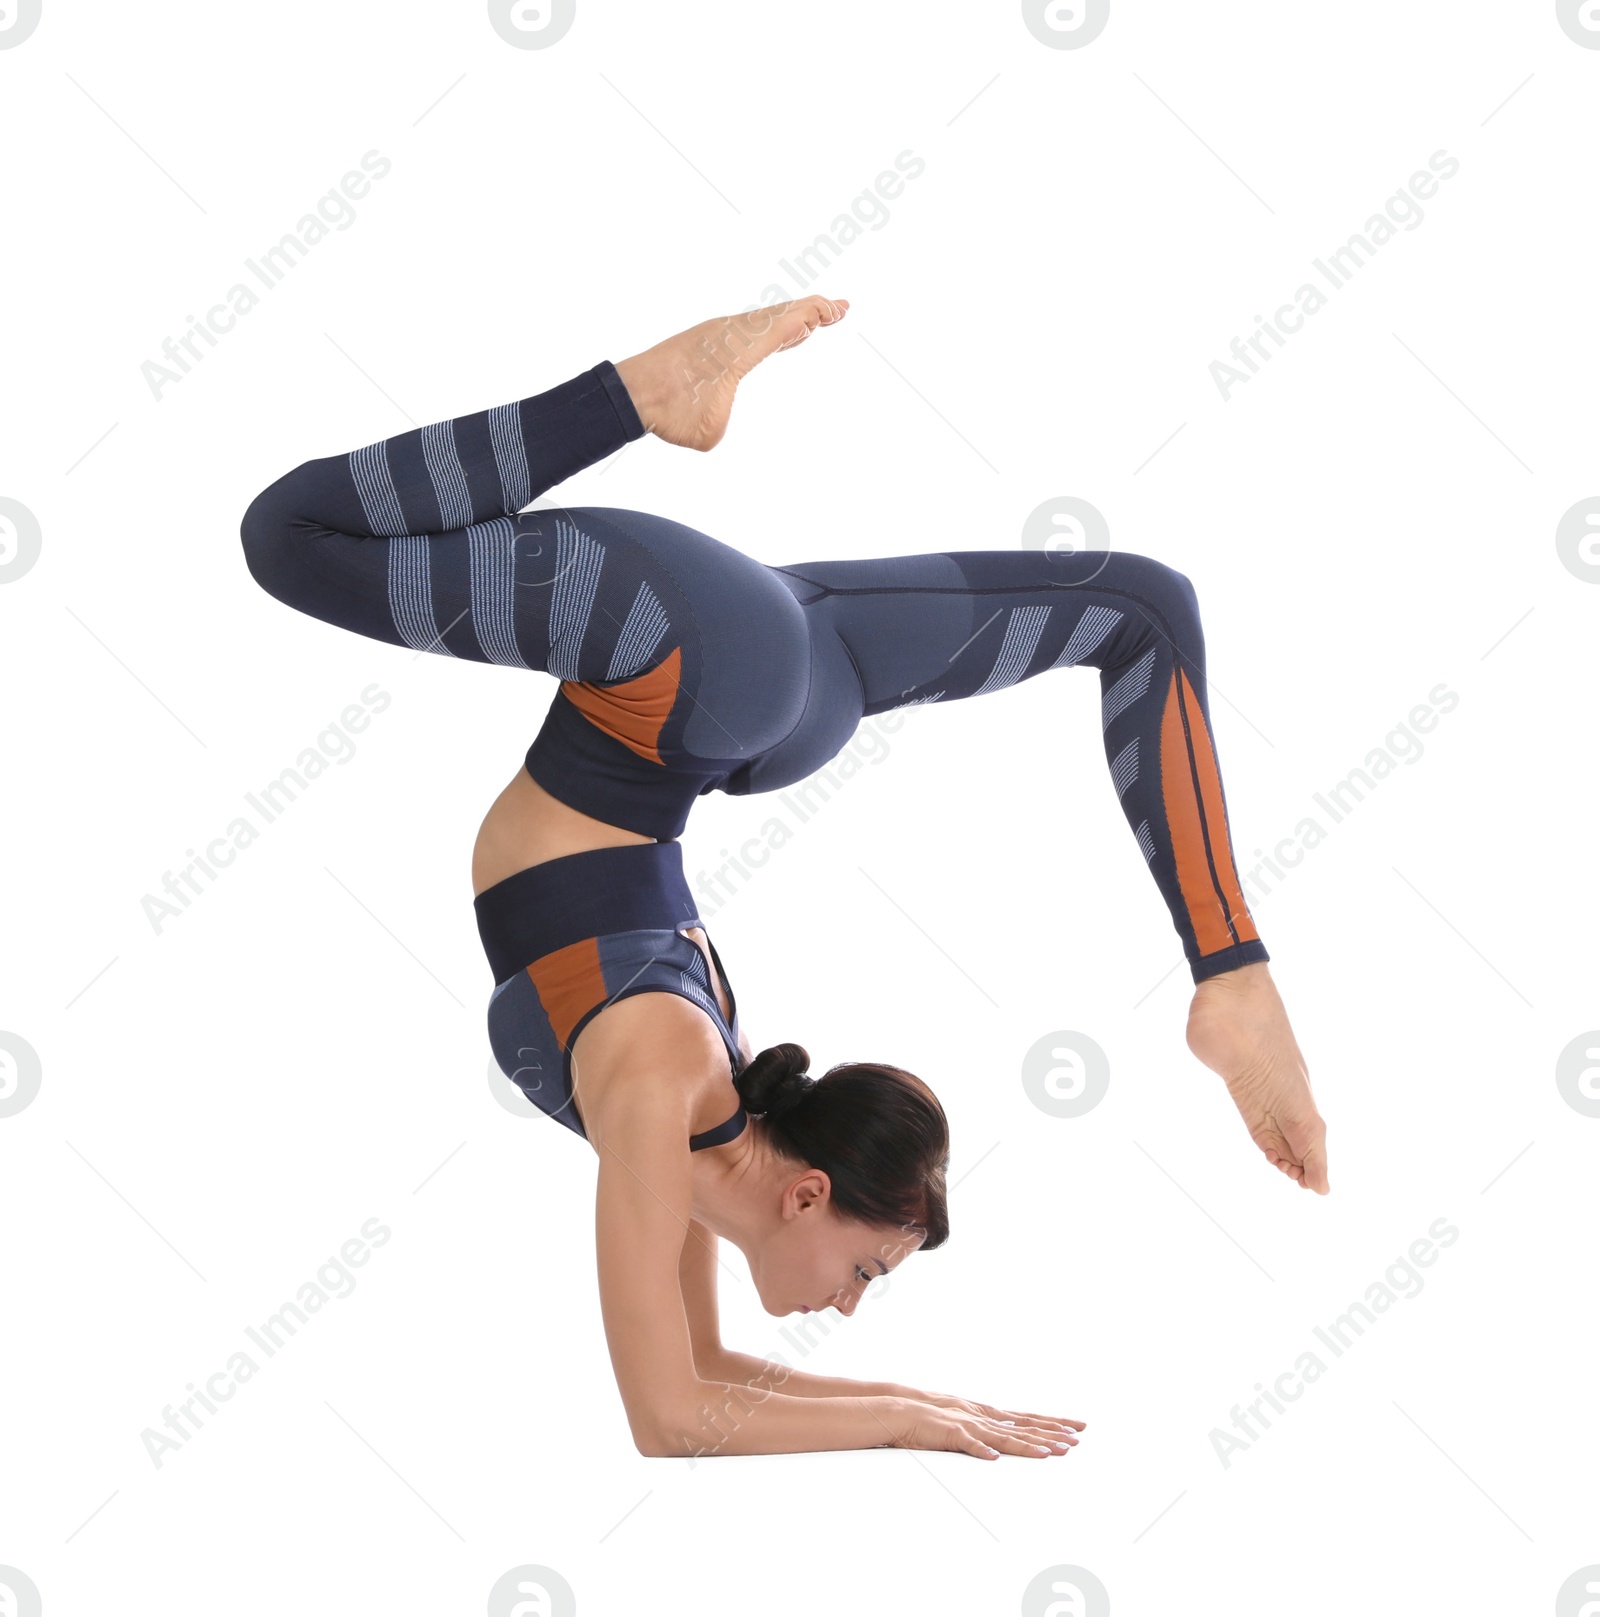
x=655, y=1445
x=686, y=1431
x=659, y=1439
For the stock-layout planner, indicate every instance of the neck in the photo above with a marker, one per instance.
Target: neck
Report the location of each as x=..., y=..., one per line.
x=734, y=1185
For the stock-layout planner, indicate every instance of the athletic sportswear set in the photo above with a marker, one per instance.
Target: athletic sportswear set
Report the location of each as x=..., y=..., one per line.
x=685, y=666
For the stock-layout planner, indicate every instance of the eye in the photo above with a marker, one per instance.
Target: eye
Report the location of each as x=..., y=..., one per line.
x=861, y=1273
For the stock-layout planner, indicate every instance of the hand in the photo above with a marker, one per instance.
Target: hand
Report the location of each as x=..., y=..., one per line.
x=973, y=1428
x=683, y=388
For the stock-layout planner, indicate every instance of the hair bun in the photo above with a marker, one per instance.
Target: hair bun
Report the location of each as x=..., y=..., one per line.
x=776, y=1079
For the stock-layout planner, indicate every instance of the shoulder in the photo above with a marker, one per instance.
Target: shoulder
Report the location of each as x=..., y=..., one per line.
x=653, y=1057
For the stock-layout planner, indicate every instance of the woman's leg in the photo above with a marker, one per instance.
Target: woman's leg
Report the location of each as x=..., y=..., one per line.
x=414, y=540
x=679, y=657
x=906, y=630
x=937, y=628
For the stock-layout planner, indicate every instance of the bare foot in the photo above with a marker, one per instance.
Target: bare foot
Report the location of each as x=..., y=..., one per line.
x=683, y=388
x=1239, y=1028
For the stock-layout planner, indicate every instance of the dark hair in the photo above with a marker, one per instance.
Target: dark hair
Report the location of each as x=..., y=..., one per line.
x=877, y=1131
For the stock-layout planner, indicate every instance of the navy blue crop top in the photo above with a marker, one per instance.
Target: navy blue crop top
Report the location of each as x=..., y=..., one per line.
x=573, y=935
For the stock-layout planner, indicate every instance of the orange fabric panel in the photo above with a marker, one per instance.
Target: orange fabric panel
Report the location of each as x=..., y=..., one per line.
x=633, y=711
x=569, y=982
x=1191, y=815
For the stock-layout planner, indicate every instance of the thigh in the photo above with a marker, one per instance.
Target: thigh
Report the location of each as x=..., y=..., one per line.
x=947, y=625
x=742, y=640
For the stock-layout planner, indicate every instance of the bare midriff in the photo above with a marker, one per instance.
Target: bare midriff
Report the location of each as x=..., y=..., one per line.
x=525, y=826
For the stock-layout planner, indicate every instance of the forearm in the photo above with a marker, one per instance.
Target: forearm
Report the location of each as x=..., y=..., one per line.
x=736, y=1418
x=762, y=1375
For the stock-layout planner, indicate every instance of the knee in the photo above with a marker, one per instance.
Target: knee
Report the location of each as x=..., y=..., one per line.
x=1174, y=590
x=1162, y=583
x=1183, y=588
x=1170, y=594
x=268, y=551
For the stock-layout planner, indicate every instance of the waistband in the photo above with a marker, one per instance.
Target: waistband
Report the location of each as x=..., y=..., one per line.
x=583, y=767
x=582, y=895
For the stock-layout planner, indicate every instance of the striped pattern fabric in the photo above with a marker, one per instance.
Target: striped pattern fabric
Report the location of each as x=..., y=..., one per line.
x=696, y=985
x=1147, y=845
x=510, y=455
x=1127, y=690
x=1125, y=767
x=641, y=634
x=448, y=476
x=1095, y=624
x=1023, y=629
x=492, y=552
x=578, y=562
x=411, y=593
x=380, y=504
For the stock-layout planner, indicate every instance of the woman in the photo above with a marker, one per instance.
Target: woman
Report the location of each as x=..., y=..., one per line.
x=685, y=666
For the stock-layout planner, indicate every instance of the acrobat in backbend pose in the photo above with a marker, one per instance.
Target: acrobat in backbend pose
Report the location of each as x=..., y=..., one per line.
x=687, y=667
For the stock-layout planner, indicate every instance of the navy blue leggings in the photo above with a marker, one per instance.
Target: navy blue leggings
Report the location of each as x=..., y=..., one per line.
x=686, y=667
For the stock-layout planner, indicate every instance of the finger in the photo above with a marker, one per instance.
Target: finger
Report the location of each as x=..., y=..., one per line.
x=1043, y=1427
x=967, y=1438
x=1044, y=1420
x=1056, y=1442
x=1019, y=1440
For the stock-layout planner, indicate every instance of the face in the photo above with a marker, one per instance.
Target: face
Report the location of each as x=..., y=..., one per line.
x=814, y=1259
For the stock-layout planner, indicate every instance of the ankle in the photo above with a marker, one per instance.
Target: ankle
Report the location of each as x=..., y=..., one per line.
x=1250, y=977
x=641, y=377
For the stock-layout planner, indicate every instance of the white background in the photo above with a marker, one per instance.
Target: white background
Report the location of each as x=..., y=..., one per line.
x=225, y=1102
